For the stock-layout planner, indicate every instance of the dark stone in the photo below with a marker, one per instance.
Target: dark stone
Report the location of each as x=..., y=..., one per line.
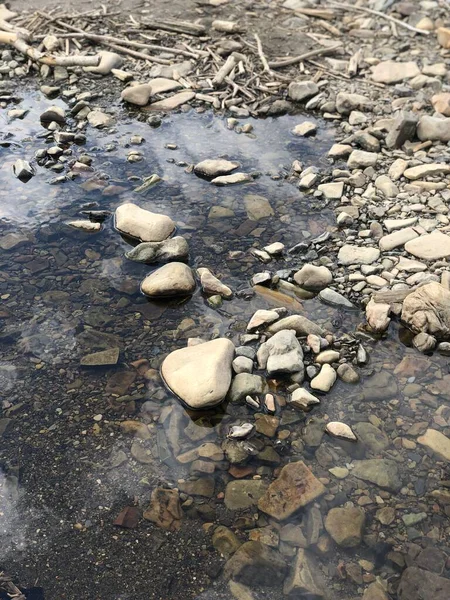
x=404, y=129
x=432, y=559
x=418, y=584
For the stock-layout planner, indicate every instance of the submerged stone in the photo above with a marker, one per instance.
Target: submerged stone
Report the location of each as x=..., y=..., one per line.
x=175, y=248
x=256, y=564
x=295, y=487
x=382, y=472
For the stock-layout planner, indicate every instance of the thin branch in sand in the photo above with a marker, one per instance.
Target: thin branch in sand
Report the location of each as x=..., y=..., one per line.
x=377, y=13
x=296, y=59
x=261, y=53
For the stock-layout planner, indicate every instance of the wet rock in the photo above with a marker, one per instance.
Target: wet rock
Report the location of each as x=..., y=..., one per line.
x=380, y=471
x=332, y=191
x=212, y=285
x=441, y=103
x=303, y=400
x=300, y=324
x=175, y=248
x=357, y=255
x=437, y=442
x=256, y=564
x=313, y=278
x=53, y=114
x=245, y=384
x=140, y=94
x=304, y=129
x=242, y=494
x=434, y=129
x=302, y=90
x=200, y=375
x=305, y=578
x=142, y=224
x=241, y=431
x=381, y=386
x=13, y=240
x=23, y=170
x=282, y=353
x=173, y=279
x=346, y=526
x=361, y=159
x=427, y=309
x=377, y=315
x=99, y=119
x=257, y=207
x=85, y=225
x=340, y=431
x=386, y=186
x=375, y=592
x=418, y=584
x=347, y=373
x=294, y=488
x=375, y=440
x=431, y=246
x=232, y=179
x=324, y=381
x=346, y=103
x=423, y=342
x=242, y=364
x=333, y=298
x=262, y=318
x=390, y=71
x=164, y=509
x=101, y=359
x=108, y=61
x=215, y=167
x=225, y=541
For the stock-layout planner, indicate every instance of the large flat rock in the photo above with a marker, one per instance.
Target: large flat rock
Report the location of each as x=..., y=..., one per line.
x=295, y=487
x=146, y=226
x=431, y=246
x=200, y=375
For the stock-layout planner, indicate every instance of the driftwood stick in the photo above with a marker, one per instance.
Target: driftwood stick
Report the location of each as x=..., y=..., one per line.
x=224, y=70
x=296, y=59
x=176, y=26
x=261, y=53
x=122, y=42
x=351, y=8
x=135, y=54
x=21, y=45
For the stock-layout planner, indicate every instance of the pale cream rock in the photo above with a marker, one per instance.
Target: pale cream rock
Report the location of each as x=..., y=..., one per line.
x=324, y=381
x=362, y=159
x=431, y=246
x=390, y=71
x=441, y=103
x=428, y=309
x=304, y=129
x=428, y=170
x=437, y=442
x=332, y=191
x=174, y=101
x=377, y=315
x=261, y=318
x=340, y=430
x=212, y=285
x=212, y=167
x=232, y=179
x=327, y=356
x=303, y=400
x=397, y=238
x=200, y=375
x=357, y=255
x=397, y=169
x=386, y=186
x=85, y=225
x=173, y=279
x=142, y=224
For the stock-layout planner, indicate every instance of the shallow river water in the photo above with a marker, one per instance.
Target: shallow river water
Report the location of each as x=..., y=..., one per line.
x=67, y=467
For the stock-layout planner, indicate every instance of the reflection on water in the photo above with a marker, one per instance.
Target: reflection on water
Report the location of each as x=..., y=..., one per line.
x=81, y=445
